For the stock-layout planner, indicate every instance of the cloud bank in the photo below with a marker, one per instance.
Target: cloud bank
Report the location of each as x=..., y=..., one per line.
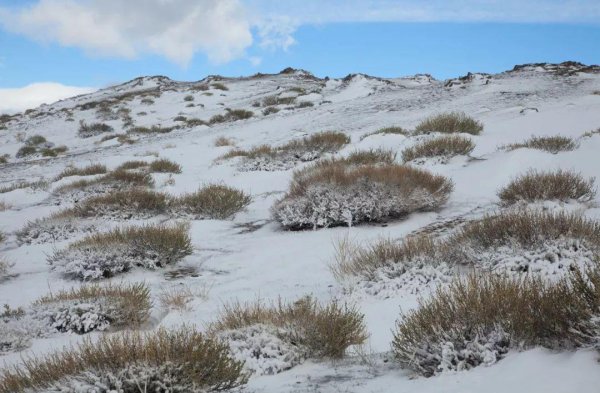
x=31, y=96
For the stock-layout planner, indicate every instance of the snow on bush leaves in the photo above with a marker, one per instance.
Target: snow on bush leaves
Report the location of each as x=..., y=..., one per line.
x=336, y=193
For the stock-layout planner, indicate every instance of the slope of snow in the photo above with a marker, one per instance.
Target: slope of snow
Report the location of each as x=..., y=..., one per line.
x=251, y=257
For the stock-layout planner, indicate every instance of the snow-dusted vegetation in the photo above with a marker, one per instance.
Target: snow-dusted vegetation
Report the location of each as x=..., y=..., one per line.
x=290, y=233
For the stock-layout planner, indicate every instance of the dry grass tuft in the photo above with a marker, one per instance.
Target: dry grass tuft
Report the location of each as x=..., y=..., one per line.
x=354, y=260
x=219, y=86
x=387, y=130
x=35, y=185
x=215, y=201
x=324, y=330
x=368, y=157
x=177, y=298
x=451, y=122
x=4, y=206
x=223, y=141
x=551, y=144
x=544, y=186
x=93, y=169
x=160, y=361
x=131, y=300
x=443, y=146
x=231, y=115
x=497, y=313
x=156, y=129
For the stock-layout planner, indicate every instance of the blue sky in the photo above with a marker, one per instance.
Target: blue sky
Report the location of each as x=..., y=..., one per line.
x=94, y=43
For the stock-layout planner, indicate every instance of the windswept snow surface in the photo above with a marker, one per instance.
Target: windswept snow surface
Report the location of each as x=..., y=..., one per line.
x=251, y=257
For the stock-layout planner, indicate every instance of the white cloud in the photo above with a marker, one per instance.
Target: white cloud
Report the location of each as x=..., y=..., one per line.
x=175, y=29
x=223, y=29
x=35, y=94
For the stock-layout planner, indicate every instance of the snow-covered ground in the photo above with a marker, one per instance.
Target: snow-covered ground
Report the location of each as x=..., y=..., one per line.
x=251, y=256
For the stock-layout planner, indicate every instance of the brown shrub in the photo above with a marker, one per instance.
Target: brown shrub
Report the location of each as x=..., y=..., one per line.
x=215, y=201
x=35, y=185
x=131, y=300
x=93, y=129
x=443, y=146
x=165, y=359
x=138, y=201
x=219, y=86
x=335, y=193
x=387, y=130
x=371, y=156
x=539, y=186
x=93, y=169
x=150, y=130
x=551, y=144
x=497, y=313
x=223, y=141
x=450, y=122
x=325, y=330
x=165, y=166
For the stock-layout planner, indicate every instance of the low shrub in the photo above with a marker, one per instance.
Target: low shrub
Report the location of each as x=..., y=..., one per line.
x=551, y=144
x=284, y=157
x=277, y=100
x=107, y=254
x=443, y=146
x=116, y=179
x=53, y=152
x=195, y=122
x=558, y=185
x=269, y=110
x=34, y=185
x=4, y=159
x=387, y=130
x=213, y=201
x=367, y=157
x=188, y=98
x=26, y=151
x=165, y=166
x=35, y=140
x=451, y=122
x=150, y=130
x=231, y=115
x=335, y=193
x=122, y=204
x=93, y=129
x=180, y=118
x=131, y=165
x=320, y=330
x=219, y=86
x=180, y=360
x=95, y=307
x=305, y=104
x=476, y=320
x=224, y=141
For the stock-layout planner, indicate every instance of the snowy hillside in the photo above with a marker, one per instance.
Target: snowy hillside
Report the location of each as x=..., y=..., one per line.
x=262, y=250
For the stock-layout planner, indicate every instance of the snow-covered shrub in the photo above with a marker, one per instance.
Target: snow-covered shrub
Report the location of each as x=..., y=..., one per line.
x=94, y=307
x=17, y=328
x=268, y=158
x=114, y=180
x=551, y=144
x=137, y=202
x=559, y=185
x=93, y=129
x=526, y=241
x=371, y=156
x=386, y=267
x=107, y=254
x=477, y=319
x=92, y=169
x=444, y=147
x=181, y=360
x=262, y=349
x=4, y=264
x=53, y=229
x=316, y=330
x=335, y=193
x=213, y=201
x=450, y=122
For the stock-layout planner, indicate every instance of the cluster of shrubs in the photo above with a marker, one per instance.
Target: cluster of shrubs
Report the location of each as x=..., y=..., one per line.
x=231, y=115
x=212, y=201
x=478, y=319
x=180, y=360
x=284, y=157
x=93, y=129
x=37, y=144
